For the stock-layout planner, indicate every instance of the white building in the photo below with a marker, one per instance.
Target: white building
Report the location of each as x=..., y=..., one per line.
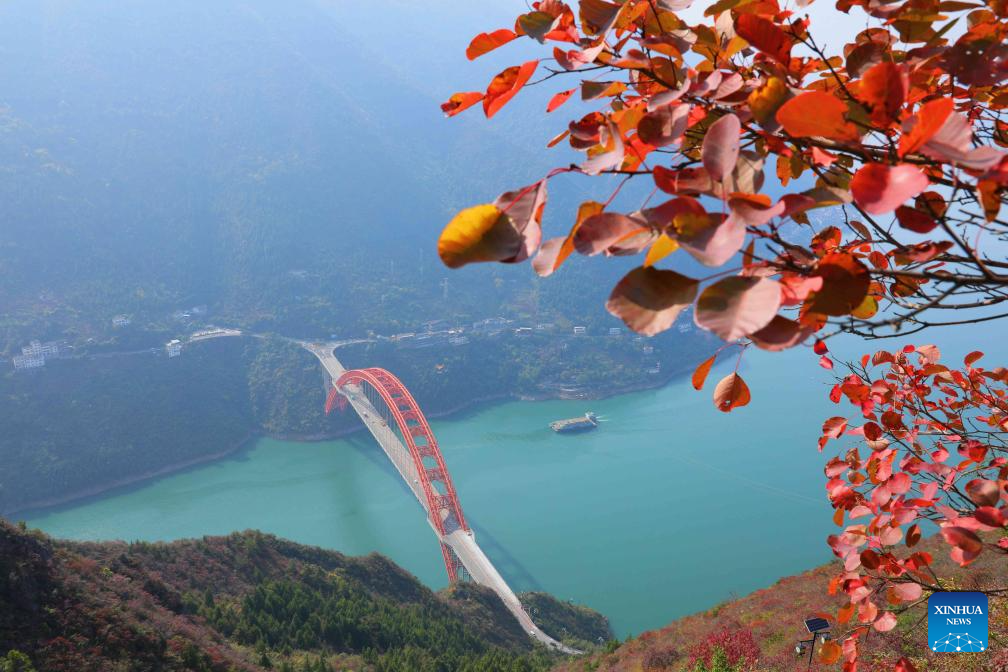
x=615, y=331
x=173, y=347
x=458, y=340
x=43, y=350
x=22, y=362
x=120, y=321
x=579, y=331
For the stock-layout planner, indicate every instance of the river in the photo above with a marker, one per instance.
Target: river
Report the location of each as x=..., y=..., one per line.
x=668, y=508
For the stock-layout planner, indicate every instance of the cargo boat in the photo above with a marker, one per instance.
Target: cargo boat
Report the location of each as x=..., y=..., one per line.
x=581, y=424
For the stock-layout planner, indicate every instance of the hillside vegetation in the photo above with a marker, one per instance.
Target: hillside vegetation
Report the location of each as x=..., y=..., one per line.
x=250, y=602
x=758, y=632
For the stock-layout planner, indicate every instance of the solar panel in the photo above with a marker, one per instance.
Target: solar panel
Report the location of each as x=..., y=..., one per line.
x=816, y=624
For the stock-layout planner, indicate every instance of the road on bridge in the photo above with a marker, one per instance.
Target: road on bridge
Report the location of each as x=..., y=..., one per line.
x=462, y=542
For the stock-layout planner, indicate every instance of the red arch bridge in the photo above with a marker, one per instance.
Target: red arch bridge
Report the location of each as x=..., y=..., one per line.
x=395, y=420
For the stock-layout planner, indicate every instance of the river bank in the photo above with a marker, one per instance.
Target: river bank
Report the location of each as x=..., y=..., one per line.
x=469, y=407
x=139, y=479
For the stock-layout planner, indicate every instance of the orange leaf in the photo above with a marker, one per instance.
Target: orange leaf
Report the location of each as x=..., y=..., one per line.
x=485, y=42
x=845, y=282
x=505, y=85
x=460, y=101
x=700, y=375
x=559, y=99
x=929, y=120
x=731, y=392
x=884, y=88
x=765, y=36
x=829, y=653
x=815, y=113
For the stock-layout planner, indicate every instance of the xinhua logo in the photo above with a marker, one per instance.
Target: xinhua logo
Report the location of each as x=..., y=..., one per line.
x=957, y=622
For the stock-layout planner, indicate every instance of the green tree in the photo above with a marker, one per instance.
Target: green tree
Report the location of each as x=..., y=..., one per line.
x=15, y=661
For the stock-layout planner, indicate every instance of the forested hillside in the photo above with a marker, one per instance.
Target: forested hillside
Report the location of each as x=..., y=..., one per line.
x=279, y=168
x=81, y=425
x=250, y=602
x=758, y=632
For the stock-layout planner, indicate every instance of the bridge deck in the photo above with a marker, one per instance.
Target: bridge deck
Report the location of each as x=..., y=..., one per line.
x=463, y=543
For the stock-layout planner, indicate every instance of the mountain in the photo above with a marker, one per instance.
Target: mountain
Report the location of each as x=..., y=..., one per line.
x=252, y=602
x=758, y=632
x=283, y=168
x=285, y=165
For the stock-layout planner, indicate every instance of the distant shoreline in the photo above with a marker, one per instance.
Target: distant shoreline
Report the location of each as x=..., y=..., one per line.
x=467, y=406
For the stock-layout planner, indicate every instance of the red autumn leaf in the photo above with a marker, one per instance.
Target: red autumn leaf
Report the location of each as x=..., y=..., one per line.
x=700, y=374
x=915, y=220
x=984, y=492
x=731, y=392
x=834, y=427
x=815, y=113
x=610, y=156
x=883, y=89
x=880, y=188
x=990, y=516
x=885, y=622
x=962, y=538
x=545, y=260
x=559, y=99
x=780, y=334
x=685, y=181
x=600, y=232
x=663, y=126
x=721, y=147
x=524, y=208
x=972, y=357
x=737, y=306
x=953, y=143
x=460, y=101
x=921, y=252
x=709, y=239
x=550, y=256
x=929, y=118
x=765, y=36
x=649, y=300
x=913, y=536
x=870, y=559
x=819, y=347
x=486, y=42
x=505, y=85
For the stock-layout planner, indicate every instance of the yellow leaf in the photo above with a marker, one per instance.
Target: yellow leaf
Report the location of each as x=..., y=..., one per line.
x=766, y=100
x=866, y=309
x=660, y=249
x=480, y=233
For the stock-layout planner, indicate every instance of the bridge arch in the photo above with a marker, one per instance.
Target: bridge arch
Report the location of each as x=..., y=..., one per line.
x=431, y=482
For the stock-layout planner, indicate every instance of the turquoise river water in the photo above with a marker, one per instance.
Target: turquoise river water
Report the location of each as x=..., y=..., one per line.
x=668, y=508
